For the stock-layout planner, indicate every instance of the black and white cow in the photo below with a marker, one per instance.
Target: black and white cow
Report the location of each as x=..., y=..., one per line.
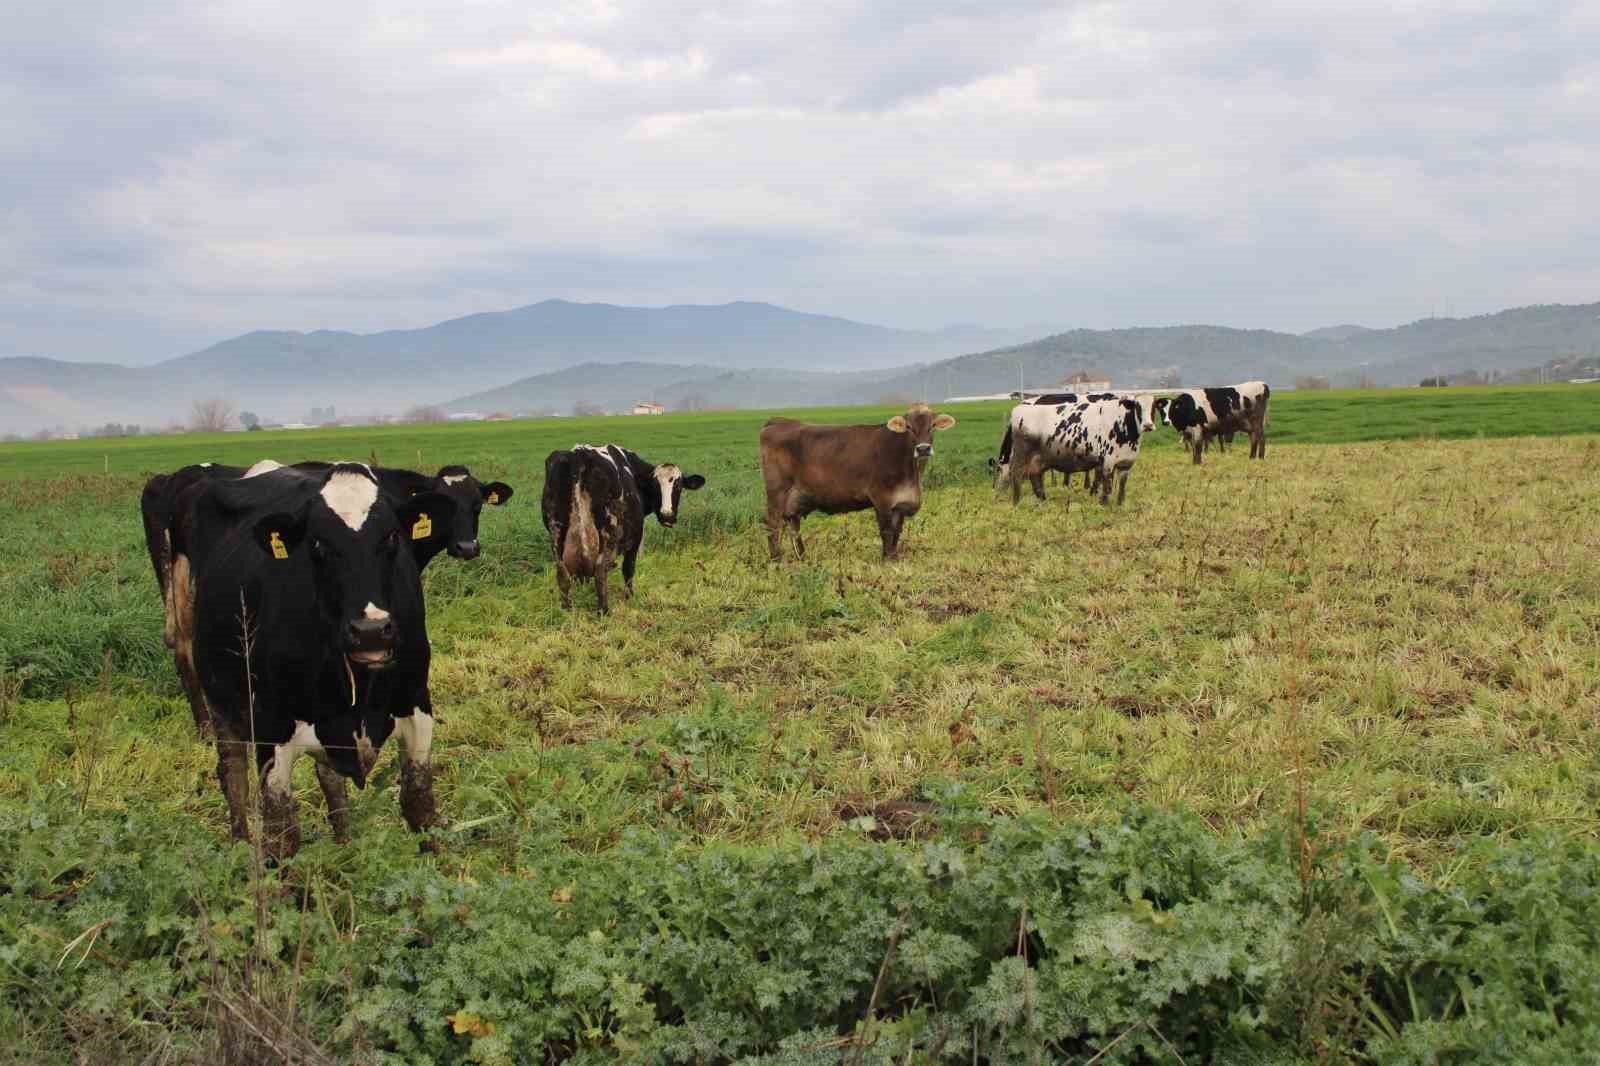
x=1101, y=436
x=595, y=500
x=301, y=617
x=158, y=504
x=1203, y=414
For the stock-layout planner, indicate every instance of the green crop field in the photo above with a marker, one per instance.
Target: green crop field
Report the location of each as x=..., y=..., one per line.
x=1280, y=762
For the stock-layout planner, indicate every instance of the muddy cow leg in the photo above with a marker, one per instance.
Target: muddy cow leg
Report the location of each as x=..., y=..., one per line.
x=1038, y=485
x=233, y=776
x=1122, y=487
x=799, y=545
x=415, y=734
x=602, y=571
x=564, y=583
x=333, y=791
x=280, y=832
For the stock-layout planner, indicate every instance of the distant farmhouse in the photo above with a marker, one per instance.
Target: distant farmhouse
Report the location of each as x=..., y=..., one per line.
x=648, y=407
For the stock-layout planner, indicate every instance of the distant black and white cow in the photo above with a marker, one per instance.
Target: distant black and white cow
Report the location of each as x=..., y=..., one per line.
x=1091, y=478
x=1203, y=414
x=301, y=617
x=1101, y=436
x=595, y=501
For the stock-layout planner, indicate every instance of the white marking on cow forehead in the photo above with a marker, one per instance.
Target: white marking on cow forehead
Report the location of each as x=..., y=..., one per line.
x=265, y=466
x=666, y=476
x=454, y=479
x=350, y=496
x=374, y=612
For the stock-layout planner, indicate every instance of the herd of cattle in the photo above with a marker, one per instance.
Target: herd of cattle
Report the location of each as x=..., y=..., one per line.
x=293, y=595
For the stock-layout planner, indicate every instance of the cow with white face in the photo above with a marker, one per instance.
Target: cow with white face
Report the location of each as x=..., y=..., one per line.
x=1101, y=436
x=1202, y=415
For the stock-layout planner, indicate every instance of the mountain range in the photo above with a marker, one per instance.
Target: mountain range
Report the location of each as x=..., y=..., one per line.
x=550, y=356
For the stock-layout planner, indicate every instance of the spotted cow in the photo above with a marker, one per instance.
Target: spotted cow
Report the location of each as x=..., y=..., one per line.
x=1101, y=436
x=595, y=501
x=1201, y=415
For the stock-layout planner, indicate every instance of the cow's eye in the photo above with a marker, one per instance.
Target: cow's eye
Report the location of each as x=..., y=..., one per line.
x=318, y=549
x=392, y=541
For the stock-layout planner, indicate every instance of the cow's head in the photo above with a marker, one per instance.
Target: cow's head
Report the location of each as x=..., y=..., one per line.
x=663, y=488
x=1158, y=409
x=1144, y=411
x=1000, y=466
x=919, y=423
x=469, y=495
x=356, y=546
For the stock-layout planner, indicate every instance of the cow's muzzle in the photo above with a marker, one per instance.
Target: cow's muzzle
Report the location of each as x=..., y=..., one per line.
x=464, y=549
x=667, y=519
x=924, y=451
x=370, y=642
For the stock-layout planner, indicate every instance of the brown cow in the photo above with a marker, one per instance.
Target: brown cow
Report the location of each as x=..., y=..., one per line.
x=834, y=469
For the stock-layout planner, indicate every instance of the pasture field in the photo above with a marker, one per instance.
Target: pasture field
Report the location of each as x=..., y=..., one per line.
x=1290, y=761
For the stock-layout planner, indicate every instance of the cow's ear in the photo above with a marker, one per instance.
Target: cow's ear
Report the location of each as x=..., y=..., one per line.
x=496, y=492
x=426, y=521
x=280, y=533
x=694, y=481
x=897, y=423
x=944, y=422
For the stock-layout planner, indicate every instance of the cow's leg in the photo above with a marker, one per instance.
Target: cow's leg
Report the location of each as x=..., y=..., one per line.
x=1107, y=475
x=889, y=531
x=629, y=558
x=799, y=545
x=775, y=522
x=333, y=791
x=564, y=583
x=280, y=833
x=1038, y=485
x=1196, y=442
x=415, y=734
x=169, y=627
x=1122, y=487
x=602, y=570
x=233, y=776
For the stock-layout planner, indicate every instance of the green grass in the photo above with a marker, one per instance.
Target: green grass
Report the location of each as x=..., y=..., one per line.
x=1406, y=631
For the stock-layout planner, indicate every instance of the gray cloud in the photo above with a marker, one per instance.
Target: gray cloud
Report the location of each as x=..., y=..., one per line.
x=173, y=177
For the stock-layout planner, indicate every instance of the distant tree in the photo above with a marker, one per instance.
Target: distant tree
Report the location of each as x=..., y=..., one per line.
x=1311, y=381
x=211, y=416
x=249, y=419
x=254, y=427
x=422, y=413
x=1436, y=382
x=585, y=409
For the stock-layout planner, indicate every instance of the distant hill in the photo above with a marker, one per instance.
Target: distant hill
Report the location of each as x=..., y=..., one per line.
x=554, y=355
x=282, y=374
x=1336, y=333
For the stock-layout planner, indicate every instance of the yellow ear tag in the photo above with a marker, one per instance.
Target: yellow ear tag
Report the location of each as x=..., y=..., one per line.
x=275, y=542
x=494, y=497
x=423, y=528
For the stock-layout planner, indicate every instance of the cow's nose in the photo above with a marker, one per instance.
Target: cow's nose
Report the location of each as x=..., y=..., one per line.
x=924, y=450
x=370, y=634
x=464, y=549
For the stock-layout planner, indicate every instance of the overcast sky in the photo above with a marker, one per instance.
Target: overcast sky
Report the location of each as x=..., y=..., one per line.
x=176, y=173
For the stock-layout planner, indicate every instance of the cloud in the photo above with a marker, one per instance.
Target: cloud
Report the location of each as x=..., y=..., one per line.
x=179, y=175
